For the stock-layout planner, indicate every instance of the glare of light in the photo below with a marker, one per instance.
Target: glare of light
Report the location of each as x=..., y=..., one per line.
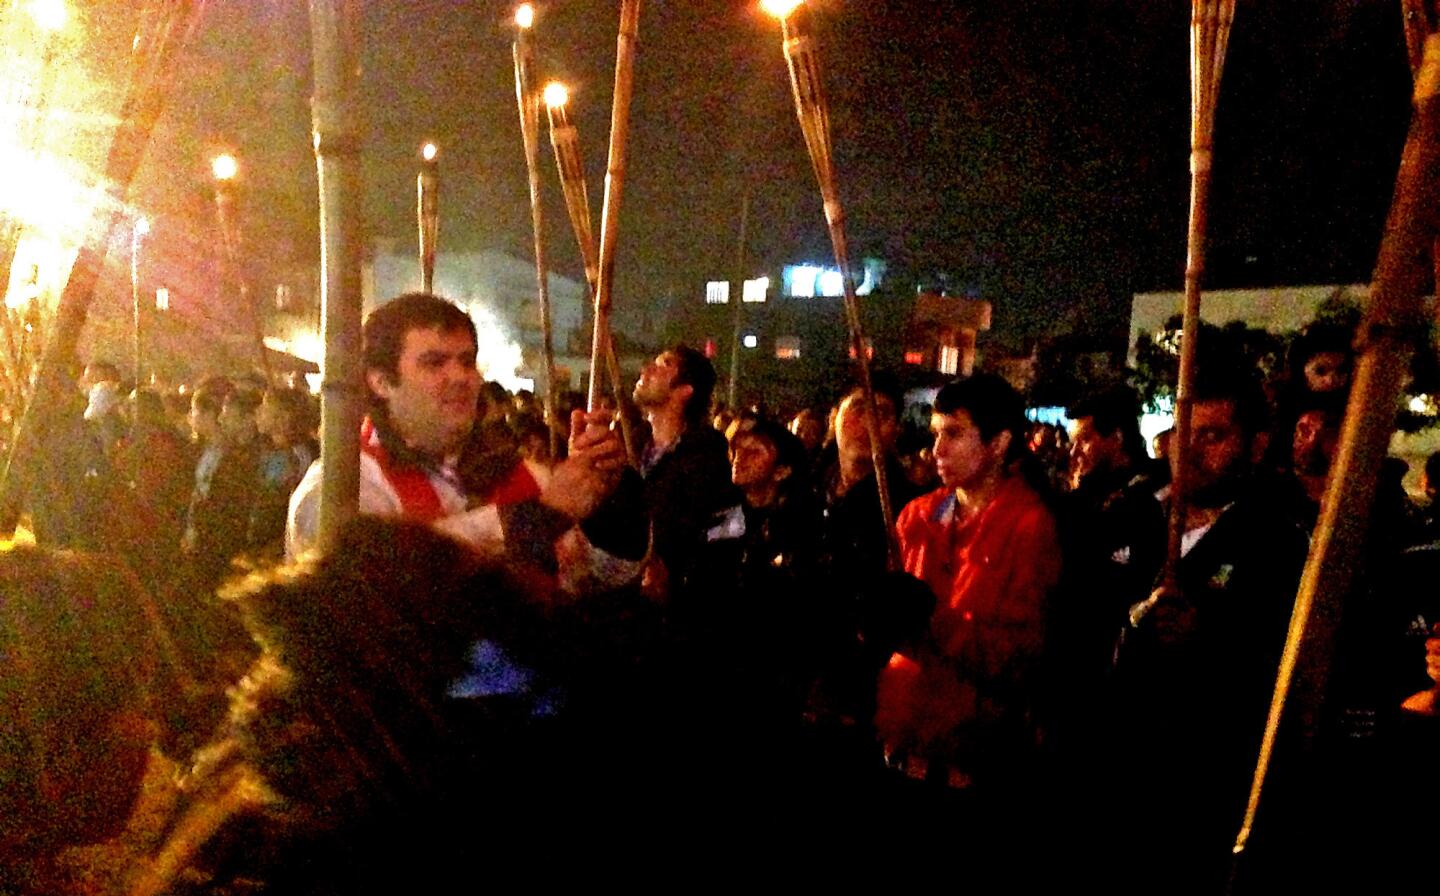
x=750, y=340
x=556, y=94
x=802, y=279
x=49, y=15
x=1422, y=404
x=40, y=267
x=779, y=8
x=755, y=290
x=307, y=346
x=525, y=16
x=162, y=298
x=499, y=357
x=832, y=283
x=142, y=226
x=224, y=167
x=312, y=380
x=429, y=151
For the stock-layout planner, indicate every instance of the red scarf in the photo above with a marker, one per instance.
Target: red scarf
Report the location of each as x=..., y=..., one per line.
x=418, y=498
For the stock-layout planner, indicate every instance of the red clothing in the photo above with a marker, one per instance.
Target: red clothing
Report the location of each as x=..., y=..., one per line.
x=991, y=573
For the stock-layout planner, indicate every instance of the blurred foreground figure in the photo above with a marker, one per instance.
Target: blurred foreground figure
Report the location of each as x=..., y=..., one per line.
x=76, y=657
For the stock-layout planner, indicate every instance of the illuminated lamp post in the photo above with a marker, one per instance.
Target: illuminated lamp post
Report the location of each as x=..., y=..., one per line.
x=427, y=186
x=528, y=100
x=225, y=169
x=810, y=107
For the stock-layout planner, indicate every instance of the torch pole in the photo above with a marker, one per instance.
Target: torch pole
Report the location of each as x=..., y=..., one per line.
x=565, y=141
x=614, y=189
x=337, y=131
x=528, y=100
x=814, y=116
x=427, y=213
x=155, y=55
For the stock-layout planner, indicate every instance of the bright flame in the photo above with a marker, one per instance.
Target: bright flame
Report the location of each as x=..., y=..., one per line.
x=224, y=167
x=142, y=226
x=429, y=151
x=49, y=15
x=779, y=8
x=556, y=94
x=525, y=16
x=499, y=357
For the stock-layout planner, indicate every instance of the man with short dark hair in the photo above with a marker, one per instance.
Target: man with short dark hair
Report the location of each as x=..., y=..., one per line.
x=419, y=459
x=955, y=706
x=685, y=465
x=1197, y=667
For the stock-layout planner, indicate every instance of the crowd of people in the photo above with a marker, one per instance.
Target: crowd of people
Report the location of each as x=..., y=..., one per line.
x=717, y=636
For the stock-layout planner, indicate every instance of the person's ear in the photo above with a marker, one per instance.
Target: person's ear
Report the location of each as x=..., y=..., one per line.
x=1000, y=444
x=380, y=382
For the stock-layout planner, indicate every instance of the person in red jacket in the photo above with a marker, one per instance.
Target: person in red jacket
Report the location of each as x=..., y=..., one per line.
x=954, y=706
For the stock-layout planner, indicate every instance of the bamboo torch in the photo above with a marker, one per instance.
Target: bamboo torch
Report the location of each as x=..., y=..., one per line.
x=1395, y=313
x=565, y=141
x=338, y=130
x=528, y=99
x=427, y=212
x=1422, y=18
x=154, y=56
x=1209, y=34
x=614, y=189
x=814, y=115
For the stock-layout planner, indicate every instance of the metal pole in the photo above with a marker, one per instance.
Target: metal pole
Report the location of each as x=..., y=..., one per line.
x=155, y=54
x=739, y=301
x=614, y=189
x=337, y=131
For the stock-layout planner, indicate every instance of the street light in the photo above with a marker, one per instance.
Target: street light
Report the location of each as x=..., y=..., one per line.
x=224, y=167
x=525, y=16
x=49, y=15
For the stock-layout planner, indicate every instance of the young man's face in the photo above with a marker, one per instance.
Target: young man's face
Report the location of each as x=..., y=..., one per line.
x=431, y=400
x=1314, y=442
x=963, y=458
x=237, y=424
x=205, y=425
x=752, y=460
x=1091, y=452
x=656, y=385
x=852, y=437
x=1218, y=451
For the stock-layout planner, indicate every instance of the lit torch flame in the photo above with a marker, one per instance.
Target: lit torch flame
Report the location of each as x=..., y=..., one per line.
x=556, y=95
x=525, y=16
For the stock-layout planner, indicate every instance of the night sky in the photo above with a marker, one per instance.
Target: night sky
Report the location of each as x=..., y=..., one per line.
x=1031, y=152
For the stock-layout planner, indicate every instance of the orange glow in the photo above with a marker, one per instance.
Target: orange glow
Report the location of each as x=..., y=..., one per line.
x=525, y=16
x=556, y=94
x=224, y=167
x=779, y=8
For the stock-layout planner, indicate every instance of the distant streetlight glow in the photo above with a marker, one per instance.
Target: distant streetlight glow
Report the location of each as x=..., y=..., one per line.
x=556, y=95
x=779, y=8
x=525, y=16
x=429, y=151
x=49, y=15
x=224, y=167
